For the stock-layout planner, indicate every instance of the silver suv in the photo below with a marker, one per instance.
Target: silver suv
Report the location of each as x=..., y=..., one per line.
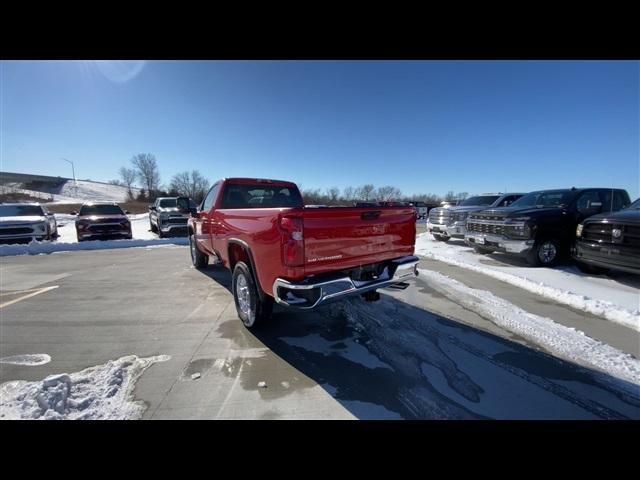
x=26, y=222
x=165, y=216
x=451, y=222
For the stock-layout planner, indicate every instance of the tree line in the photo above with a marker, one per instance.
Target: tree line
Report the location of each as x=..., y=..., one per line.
x=369, y=193
x=144, y=171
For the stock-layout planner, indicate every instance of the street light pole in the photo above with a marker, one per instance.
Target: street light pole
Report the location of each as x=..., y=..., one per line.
x=73, y=170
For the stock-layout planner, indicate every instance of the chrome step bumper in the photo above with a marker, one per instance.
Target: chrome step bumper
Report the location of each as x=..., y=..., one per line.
x=312, y=292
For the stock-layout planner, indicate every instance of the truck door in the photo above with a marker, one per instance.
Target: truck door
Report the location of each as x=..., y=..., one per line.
x=204, y=222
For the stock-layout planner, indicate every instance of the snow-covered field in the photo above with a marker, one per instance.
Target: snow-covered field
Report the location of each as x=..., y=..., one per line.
x=84, y=191
x=93, y=191
x=103, y=392
x=617, y=300
x=67, y=240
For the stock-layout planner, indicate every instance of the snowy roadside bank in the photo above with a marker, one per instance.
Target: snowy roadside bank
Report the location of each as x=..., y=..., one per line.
x=562, y=341
x=103, y=392
x=597, y=295
x=37, y=248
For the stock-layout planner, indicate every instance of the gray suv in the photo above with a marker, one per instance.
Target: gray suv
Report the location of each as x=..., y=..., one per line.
x=166, y=216
x=450, y=222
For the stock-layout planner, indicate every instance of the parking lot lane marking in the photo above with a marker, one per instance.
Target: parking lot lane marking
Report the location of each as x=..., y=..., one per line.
x=24, y=297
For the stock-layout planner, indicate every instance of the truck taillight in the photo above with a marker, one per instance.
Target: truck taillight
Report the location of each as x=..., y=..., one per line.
x=292, y=241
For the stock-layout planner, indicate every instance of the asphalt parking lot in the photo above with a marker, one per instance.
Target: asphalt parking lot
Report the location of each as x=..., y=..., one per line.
x=414, y=355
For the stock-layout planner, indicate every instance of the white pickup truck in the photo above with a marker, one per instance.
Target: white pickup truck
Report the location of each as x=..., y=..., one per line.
x=21, y=222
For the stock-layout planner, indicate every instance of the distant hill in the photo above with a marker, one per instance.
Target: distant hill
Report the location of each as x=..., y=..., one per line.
x=62, y=190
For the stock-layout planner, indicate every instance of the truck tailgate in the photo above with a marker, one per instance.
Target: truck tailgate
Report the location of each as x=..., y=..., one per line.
x=340, y=238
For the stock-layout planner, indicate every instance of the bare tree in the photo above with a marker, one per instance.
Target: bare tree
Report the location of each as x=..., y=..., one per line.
x=147, y=171
x=462, y=195
x=450, y=196
x=365, y=192
x=388, y=193
x=333, y=193
x=128, y=176
x=348, y=194
x=193, y=185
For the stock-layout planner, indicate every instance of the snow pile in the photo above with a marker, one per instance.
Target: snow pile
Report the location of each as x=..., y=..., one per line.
x=565, y=342
x=104, y=392
x=32, y=360
x=36, y=248
x=599, y=296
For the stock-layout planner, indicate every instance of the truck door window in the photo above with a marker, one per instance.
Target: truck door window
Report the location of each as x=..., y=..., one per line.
x=207, y=203
x=615, y=202
x=589, y=202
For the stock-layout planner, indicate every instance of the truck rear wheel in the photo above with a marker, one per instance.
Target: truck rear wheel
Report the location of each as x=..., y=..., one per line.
x=198, y=259
x=251, y=310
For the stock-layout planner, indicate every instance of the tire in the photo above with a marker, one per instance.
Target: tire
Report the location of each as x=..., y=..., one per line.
x=591, y=269
x=198, y=259
x=441, y=238
x=251, y=310
x=152, y=227
x=483, y=250
x=545, y=253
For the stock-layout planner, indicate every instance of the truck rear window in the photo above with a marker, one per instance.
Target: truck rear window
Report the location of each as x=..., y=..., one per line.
x=252, y=196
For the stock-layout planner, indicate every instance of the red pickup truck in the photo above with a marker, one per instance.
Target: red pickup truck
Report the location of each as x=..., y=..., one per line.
x=300, y=257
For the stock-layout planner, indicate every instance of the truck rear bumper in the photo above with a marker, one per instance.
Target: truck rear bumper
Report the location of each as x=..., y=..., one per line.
x=313, y=292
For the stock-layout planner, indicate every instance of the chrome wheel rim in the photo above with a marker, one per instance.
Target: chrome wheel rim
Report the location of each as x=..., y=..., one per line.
x=547, y=252
x=244, y=298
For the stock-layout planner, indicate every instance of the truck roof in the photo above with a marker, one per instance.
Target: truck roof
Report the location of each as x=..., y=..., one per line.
x=237, y=180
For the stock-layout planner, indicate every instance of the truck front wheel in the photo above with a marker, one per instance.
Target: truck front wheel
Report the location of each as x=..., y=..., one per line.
x=251, y=310
x=198, y=259
x=545, y=253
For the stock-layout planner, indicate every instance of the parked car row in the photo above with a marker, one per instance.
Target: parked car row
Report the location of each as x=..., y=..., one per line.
x=598, y=227
x=24, y=222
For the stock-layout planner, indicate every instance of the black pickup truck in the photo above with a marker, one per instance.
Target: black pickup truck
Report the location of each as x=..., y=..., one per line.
x=609, y=241
x=541, y=226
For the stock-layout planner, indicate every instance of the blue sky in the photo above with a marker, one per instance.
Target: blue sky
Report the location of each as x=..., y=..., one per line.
x=423, y=126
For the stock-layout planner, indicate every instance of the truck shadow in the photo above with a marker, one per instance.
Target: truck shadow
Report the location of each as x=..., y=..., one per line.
x=392, y=360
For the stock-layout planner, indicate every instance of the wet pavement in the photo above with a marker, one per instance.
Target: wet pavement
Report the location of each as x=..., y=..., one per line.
x=392, y=359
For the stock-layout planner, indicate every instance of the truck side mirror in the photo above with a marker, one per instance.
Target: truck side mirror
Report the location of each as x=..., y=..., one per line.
x=73, y=212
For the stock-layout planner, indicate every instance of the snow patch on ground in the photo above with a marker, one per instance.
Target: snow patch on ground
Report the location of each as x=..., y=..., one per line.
x=103, y=392
x=36, y=248
x=565, y=342
x=603, y=297
x=32, y=360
